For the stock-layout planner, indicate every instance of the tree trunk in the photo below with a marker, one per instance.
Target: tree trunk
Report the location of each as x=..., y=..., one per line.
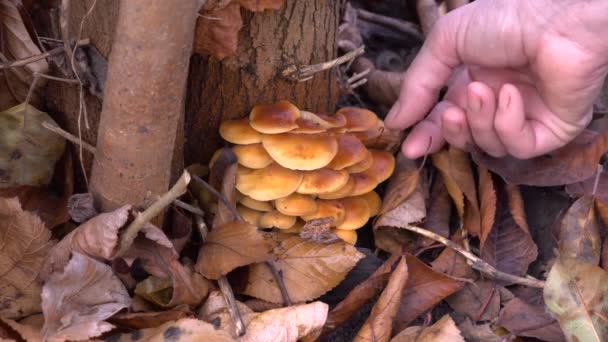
x=300, y=33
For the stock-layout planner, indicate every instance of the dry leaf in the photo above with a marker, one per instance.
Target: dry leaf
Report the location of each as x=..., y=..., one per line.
x=453, y=263
x=28, y=329
x=27, y=154
x=81, y=207
x=478, y=333
x=261, y=5
x=183, y=330
x=215, y=311
x=402, y=184
x=180, y=231
x=523, y=319
x=424, y=289
x=217, y=31
x=443, y=330
x=308, y=269
x=487, y=198
x=509, y=246
x=572, y=163
x=576, y=293
x=232, y=245
x=77, y=302
x=579, y=234
x=145, y=320
x=361, y=294
x=24, y=244
x=379, y=324
x=479, y=301
x=587, y=187
x=439, y=212
x=17, y=44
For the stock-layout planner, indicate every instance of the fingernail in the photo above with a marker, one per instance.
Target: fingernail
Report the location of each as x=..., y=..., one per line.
x=506, y=101
x=392, y=114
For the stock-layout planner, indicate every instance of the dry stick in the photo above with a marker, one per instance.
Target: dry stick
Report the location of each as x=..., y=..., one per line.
x=305, y=73
x=190, y=208
x=476, y=262
x=278, y=275
x=178, y=189
x=35, y=58
x=68, y=136
x=390, y=22
x=233, y=308
x=428, y=13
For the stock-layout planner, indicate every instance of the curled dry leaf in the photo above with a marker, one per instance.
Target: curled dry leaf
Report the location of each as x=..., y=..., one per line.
x=308, y=269
x=379, y=324
x=183, y=330
x=27, y=153
x=24, y=244
x=232, y=245
x=444, y=330
x=77, y=302
x=361, y=294
x=487, y=205
x=424, y=289
x=479, y=301
x=572, y=163
x=576, y=293
x=579, y=234
x=439, y=211
x=145, y=320
x=523, y=319
x=402, y=184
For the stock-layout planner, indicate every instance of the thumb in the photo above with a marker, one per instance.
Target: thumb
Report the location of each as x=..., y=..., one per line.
x=429, y=72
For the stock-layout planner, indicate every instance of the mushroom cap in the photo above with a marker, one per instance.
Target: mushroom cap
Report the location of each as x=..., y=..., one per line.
x=356, y=213
x=254, y=204
x=253, y=156
x=383, y=166
x=349, y=236
x=340, y=193
x=364, y=183
x=296, y=228
x=369, y=135
x=296, y=205
x=310, y=123
x=249, y=215
x=274, y=118
x=363, y=165
x=350, y=152
x=373, y=202
x=322, y=181
x=358, y=119
x=269, y=183
x=274, y=219
x=328, y=208
x=301, y=151
x=239, y=132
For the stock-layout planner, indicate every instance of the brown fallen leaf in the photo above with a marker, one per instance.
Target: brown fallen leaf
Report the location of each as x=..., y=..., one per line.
x=479, y=332
x=361, y=294
x=183, y=330
x=572, y=163
x=479, y=301
x=308, y=269
x=77, y=302
x=523, y=319
x=453, y=263
x=487, y=205
x=402, y=184
x=145, y=320
x=218, y=37
x=231, y=245
x=258, y=305
x=509, y=246
x=180, y=231
x=379, y=324
x=28, y=329
x=444, y=330
x=215, y=311
x=579, y=233
x=576, y=294
x=438, y=212
x=587, y=187
x=24, y=244
x=424, y=289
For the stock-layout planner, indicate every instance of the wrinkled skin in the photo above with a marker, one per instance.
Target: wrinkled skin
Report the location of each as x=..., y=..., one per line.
x=522, y=77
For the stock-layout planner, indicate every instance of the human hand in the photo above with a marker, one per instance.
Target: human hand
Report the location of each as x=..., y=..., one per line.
x=522, y=77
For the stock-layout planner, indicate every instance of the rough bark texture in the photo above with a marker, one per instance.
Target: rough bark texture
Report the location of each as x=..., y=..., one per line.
x=144, y=95
x=300, y=33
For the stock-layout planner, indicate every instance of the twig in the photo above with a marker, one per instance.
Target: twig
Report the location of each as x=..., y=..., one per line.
x=35, y=58
x=358, y=79
x=390, y=22
x=68, y=136
x=178, y=189
x=428, y=13
x=190, y=208
x=202, y=227
x=233, y=308
x=305, y=73
x=476, y=262
x=219, y=196
x=278, y=276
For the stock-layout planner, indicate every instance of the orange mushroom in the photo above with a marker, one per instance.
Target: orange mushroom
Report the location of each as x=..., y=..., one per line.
x=301, y=151
x=274, y=118
x=239, y=132
x=322, y=181
x=350, y=152
x=269, y=183
x=296, y=205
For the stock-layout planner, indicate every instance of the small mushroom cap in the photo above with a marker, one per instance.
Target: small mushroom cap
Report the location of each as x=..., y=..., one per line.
x=310, y=123
x=328, y=208
x=274, y=219
x=239, y=132
x=369, y=135
x=350, y=152
x=296, y=205
x=364, y=182
x=253, y=156
x=249, y=215
x=363, y=165
x=358, y=119
x=254, y=204
x=322, y=181
x=269, y=183
x=340, y=193
x=274, y=118
x=383, y=166
x=356, y=213
x=301, y=151
x=296, y=228
x=349, y=236
x=374, y=202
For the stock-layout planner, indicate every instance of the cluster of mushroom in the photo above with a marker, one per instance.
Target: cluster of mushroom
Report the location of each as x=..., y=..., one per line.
x=296, y=166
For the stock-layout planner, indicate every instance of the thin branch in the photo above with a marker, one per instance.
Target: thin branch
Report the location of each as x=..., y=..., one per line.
x=35, y=58
x=476, y=262
x=188, y=207
x=219, y=196
x=278, y=276
x=178, y=189
x=68, y=136
x=306, y=72
x=233, y=308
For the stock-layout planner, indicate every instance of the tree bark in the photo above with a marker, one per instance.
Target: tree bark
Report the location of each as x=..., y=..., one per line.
x=300, y=33
x=144, y=96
